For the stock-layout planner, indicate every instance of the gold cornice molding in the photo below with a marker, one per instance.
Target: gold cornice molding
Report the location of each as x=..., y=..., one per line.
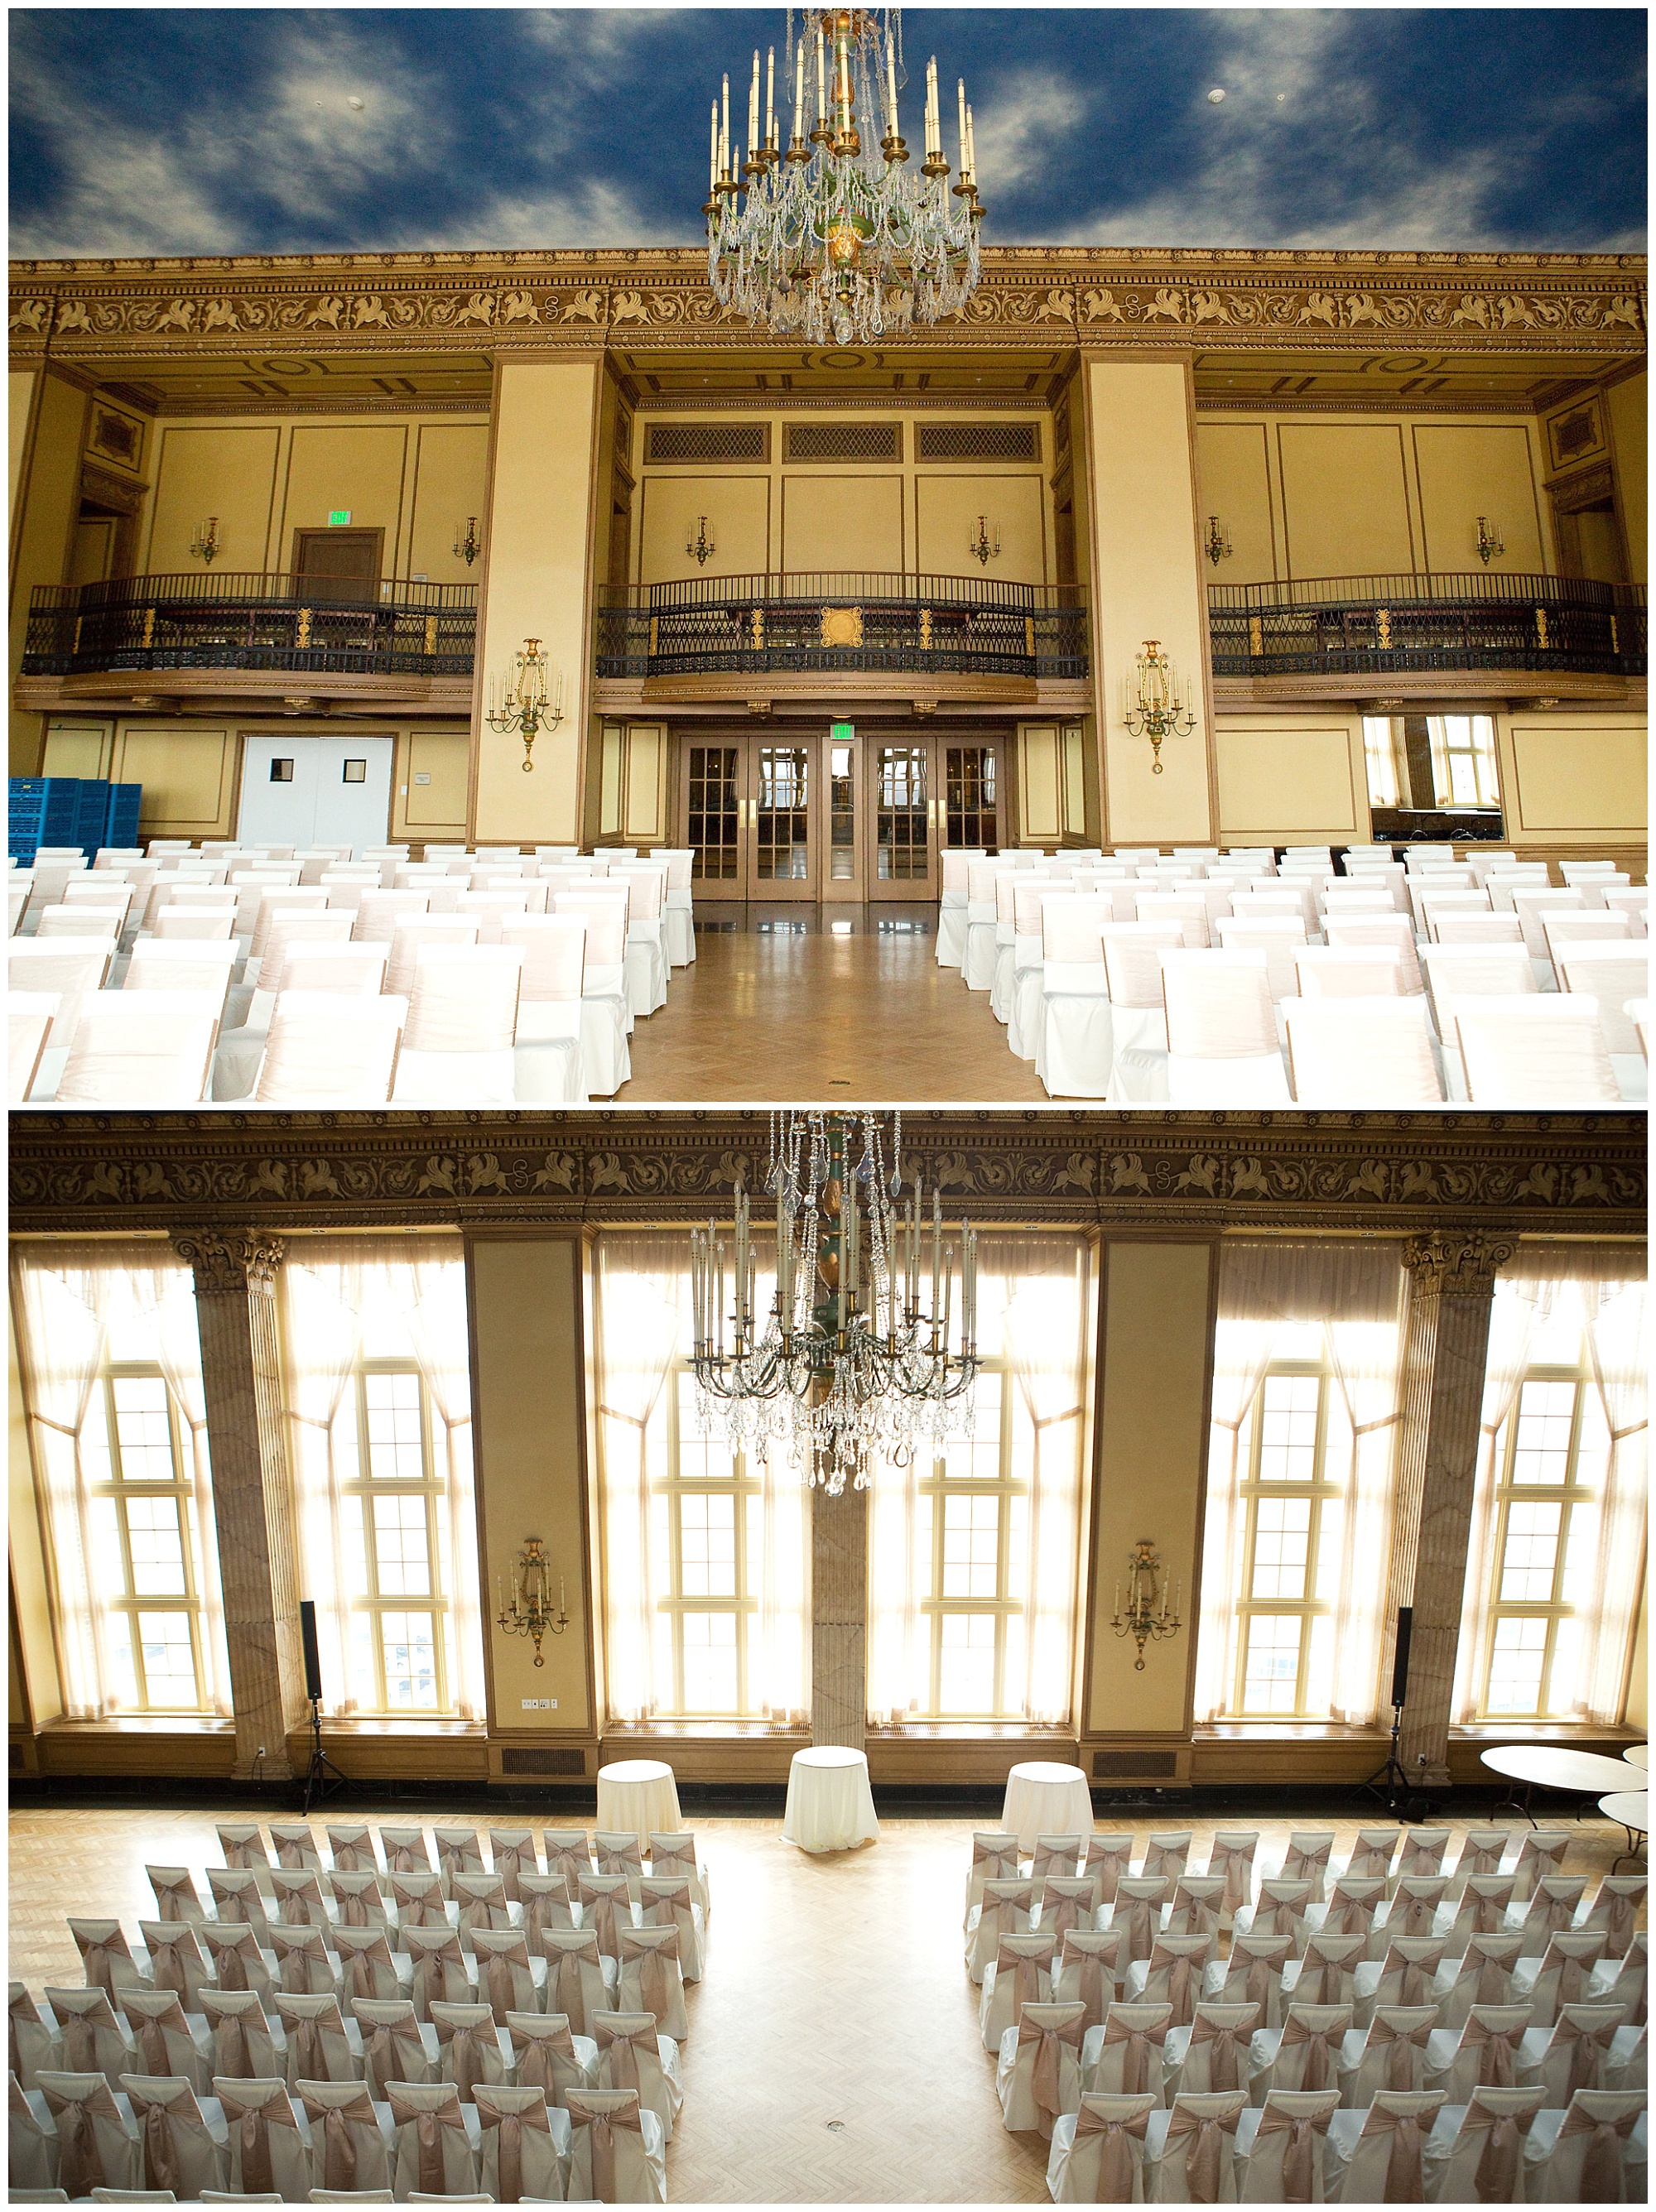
x=640, y=299
x=1496, y=1175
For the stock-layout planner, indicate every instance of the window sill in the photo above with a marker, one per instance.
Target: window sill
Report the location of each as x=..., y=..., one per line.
x=973, y=1732
x=1290, y=1732
x=396, y=1725
x=1527, y=1731
x=726, y=1731
x=141, y=1724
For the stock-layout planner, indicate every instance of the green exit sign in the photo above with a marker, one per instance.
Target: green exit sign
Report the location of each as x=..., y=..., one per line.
x=841, y=733
x=339, y=515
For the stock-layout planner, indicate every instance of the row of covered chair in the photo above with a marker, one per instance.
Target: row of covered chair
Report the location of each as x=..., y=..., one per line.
x=470, y=979
x=1203, y=979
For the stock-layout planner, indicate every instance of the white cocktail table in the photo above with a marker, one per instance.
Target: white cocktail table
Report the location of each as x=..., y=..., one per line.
x=1631, y=1807
x=1545, y=1766
x=1045, y=1799
x=830, y=1807
x=1637, y=1754
x=638, y=1795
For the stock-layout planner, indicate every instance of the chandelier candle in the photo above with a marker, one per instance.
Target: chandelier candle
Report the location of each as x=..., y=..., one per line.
x=841, y=240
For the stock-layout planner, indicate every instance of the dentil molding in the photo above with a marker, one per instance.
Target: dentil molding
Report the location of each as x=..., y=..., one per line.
x=1492, y=1176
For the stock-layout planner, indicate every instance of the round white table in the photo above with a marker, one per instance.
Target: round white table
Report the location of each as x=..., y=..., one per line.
x=1637, y=1754
x=1045, y=1799
x=1545, y=1766
x=1631, y=1808
x=830, y=1807
x=638, y=1795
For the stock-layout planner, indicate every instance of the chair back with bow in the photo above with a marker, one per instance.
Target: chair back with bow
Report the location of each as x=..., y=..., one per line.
x=105, y=1955
x=1086, y=1972
x=1328, y=1971
x=1055, y=1854
x=1385, y=2165
x=242, y=1843
x=32, y=2042
x=1131, y=2053
x=1137, y=1912
x=547, y=2055
x=1373, y=1851
x=237, y=1896
x=1217, y=2054
x=178, y=2152
x=1038, y=2075
x=405, y=1850
x=468, y=2047
x=1393, y=2054
x=615, y=2150
x=1577, y=2056
x=176, y=1958
x=1174, y=1973
x=525, y=2144
x=433, y=2151
x=514, y=1853
x=1423, y=1852
x=1197, y=2165
x=1066, y=1901
x=97, y=2147
x=632, y=2055
x=352, y=2148
x=1097, y=2157
x=672, y=1851
x=1005, y=1910
x=547, y=1902
x=1540, y=1852
x=358, y=1899
x=575, y=1976
x=351, y=1847
x=296, y=1897
x=176, y=1896
x=651, y=1979
x=304, y=1967
x=243, y=2049
x=1284, y=2164
x=420, y=1900
x=1198, y=1906
x=396, y=2047
x=295, y=1844
x=1309, y=2050
x=606, y=1905
x=459, y=1851
x=1481, y=1851
x=1617, y=1909
x=93, y=2040
x=268, y=2150
x=1165, y=1856
x=1230, y=1860
x=440, y=1968
x=1306, y=1859
x=994, y=1858
x=568, y=1852
x=1108, y=1861
x=1591, y=2155
x=1253, y=1974
x=1416, y=1903
x=667, y=1901
x=481, y=1902
x=166, y=2041
x=1021, y=1974
x=1409, y=1972
x=368, y=1968
x=510, y=1978
x=320, y=2045
x=1483, y=2161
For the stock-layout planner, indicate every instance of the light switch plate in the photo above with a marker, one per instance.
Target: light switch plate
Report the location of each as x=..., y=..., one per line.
x=541, y=1705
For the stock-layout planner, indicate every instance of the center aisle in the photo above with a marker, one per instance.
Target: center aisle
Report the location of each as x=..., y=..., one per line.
x=792, y=1004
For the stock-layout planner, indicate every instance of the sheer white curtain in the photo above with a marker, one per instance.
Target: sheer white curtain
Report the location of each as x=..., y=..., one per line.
x=1352, y=1294
x=343, y=1296
x=1601, y=1288
x=68, y=1297
x=1034, y=1311
x=642, y=1332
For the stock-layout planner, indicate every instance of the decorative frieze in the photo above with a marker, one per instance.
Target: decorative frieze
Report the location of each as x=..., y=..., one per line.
x=1445, y=1176
x=641, y=297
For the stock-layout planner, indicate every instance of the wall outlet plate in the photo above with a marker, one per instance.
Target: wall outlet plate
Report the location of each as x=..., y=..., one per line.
x=541, y=1705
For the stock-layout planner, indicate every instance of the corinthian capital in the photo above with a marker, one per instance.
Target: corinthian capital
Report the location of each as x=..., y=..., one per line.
x=229, y=1261
x=1455, y=1265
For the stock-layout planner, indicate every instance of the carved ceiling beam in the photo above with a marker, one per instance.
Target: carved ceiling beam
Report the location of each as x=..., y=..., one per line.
x=1498, y=1174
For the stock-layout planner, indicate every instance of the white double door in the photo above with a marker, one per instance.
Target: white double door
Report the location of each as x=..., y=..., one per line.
x=301, y=791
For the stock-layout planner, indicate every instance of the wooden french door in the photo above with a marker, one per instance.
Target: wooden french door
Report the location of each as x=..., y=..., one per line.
x=923, y=795
x=753, y=812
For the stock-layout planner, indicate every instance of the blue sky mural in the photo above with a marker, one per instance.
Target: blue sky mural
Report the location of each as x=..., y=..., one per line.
x=208, y=131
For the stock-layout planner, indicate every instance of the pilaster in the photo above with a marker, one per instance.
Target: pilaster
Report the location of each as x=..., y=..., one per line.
x=839, y=1618
x=1452, y=1279
x=234, y=1275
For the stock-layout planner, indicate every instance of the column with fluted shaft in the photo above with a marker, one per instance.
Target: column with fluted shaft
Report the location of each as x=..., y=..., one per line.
x=839, y=1618
x=1452, y=1279
x=241, y=1386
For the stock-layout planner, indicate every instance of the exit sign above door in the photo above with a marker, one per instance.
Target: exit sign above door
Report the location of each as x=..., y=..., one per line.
x=339, y=518
x=842, y=733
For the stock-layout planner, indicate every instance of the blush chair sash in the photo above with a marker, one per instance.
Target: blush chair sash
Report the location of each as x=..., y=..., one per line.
x=1405, y=2181
x=1202, y=2156
x=1300, y=2152
x=509, y=2122
x=1138, y=2035
x=1496, y=2045
x=80, y=2161
x=1400, y=2043
x=652, y=1948
x=1120, y=2130
x=1092, y=1956
x=1045, y=2074
x=251, y=2120
x=338, y=2144
x=618, y=2109
x=1601, y=2163
x=1588, y=2036
x=469, y=2045
x=427, y=2121
x=1222, y=2033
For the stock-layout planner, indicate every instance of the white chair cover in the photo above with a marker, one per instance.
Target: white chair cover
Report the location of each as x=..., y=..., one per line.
x=93, y=2039
x=321, y=2043
x=243, y=2047
x=1280, y=2153
x=1596, y=2152
x=1037, y=2066
x=350, y=2136
x=526, y=2145
x=141, y=1049
x=1474, y=2155
x=31, y=2150
x=1213, y=2050
x=1191, y=2151
x=434, y=2151
x=651, y=1980
x=167, y=2042
x=1375, y=2156
x=98, y=2146
x=579, y=1979
x=616, y=2153
x=177, y=2148
x=1098, y=2153
x=1126, y=2056
x=469, y=2048
x=1021, y=1974
x=633, y=2055
x=548, y=2056
x=396, y=2046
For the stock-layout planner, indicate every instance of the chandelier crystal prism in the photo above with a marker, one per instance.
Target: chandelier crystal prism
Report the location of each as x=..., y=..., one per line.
x=851, y=1362
x=837, y=239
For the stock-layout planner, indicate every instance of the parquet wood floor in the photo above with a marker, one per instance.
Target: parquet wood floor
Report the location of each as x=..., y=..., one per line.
x=810, y=1004
x=834, y=2054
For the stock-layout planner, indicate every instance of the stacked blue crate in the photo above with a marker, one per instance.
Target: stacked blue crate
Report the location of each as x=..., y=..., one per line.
x=43, y=810
x=121, y=827
x=91, y=813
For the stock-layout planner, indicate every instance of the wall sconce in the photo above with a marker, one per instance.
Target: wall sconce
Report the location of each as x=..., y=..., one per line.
x=530, y=1613
x=701, y=548
x=203, y=546
x=985, y=541
x=1156, y=709
x=1489, y=545
x=1144, y=1620
x=468, y=543
x=1218, y=541
x=525, y=708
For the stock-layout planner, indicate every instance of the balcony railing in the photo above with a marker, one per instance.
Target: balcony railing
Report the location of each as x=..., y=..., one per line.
x=310, y=626
x=1396, y=625
x=839, y=624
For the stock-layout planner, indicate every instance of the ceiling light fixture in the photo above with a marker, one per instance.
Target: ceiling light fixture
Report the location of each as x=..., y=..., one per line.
x=836, y=238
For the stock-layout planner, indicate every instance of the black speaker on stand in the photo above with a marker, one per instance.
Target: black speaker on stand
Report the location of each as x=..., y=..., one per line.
x=322, y=1776
x=1390, y=1782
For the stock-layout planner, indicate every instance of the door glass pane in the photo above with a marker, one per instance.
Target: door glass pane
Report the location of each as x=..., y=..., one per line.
x=712, y=835
x=900, y=816
x=842, y=820
x=782, y=852
x=969, y=796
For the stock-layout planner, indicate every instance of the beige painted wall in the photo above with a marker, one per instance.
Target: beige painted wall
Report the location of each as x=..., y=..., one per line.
x=738, y=511
x=188, y=773
x=436, y=808
x=1571, y=775
x=536, y=586
x=1279, y=777
x=1153, y=1451
x=1233, y=482
x=77, y=748
x=20, y=395
x=450, y=481
x=355, y=468
x=223, y=469
x=526, y=1323
x=841, y=522
x=633, y=783
x=1147, y=583
x=45, y=532
x=1467, y=470
x=947, y=510
x=1627, y=405
x=1345, y=498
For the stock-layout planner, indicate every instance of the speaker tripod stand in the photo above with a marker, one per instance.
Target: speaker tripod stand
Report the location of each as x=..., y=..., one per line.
x=322, y=1776
x=1390, y=1782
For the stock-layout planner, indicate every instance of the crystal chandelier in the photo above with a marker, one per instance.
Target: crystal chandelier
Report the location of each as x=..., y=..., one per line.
x=847, y=1364
x=837, y=238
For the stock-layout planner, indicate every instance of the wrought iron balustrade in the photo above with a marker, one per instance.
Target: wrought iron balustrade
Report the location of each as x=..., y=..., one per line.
x=308, y=626
x=841, y=623
x=1394, y=625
